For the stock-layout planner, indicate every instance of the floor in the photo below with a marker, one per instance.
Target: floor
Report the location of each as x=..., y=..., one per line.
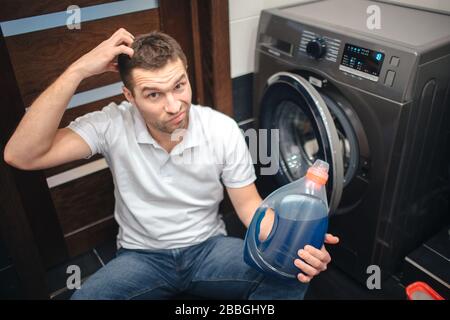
x=88, y=262
x=331, y=285
x=336, y=285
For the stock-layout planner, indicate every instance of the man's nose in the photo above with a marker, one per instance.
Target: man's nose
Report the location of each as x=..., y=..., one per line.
x=173, y=105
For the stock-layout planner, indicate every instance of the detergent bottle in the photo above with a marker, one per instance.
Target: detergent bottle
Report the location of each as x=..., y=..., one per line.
x=301, y=218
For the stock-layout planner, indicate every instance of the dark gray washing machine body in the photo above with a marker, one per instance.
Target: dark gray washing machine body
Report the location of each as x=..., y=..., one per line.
x=395, y=194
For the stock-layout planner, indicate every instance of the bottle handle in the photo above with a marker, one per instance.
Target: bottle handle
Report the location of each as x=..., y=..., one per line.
x=258, y=219
x=252, y=241
x=274, y=227
x=259, y=216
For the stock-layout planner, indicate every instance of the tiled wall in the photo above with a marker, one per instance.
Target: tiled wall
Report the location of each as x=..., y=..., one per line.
x=244, y=16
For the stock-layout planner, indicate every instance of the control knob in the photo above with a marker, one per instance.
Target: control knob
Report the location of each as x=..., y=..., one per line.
x=316, y=48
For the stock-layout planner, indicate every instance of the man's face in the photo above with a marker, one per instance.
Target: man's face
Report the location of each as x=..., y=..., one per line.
x=162, y=96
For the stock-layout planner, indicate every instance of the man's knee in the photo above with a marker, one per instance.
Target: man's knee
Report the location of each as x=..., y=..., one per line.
x=104, y=284
x=81, y=294
x=86, y=294
x=91, y=291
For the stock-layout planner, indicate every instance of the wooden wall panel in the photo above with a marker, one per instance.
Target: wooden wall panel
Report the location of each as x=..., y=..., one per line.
x=16, y=9
x=85, y=208
x=212, y=50
x=38, y=58
x=220, y=47
x=83, y=201
x=198, y=61
x=202, y=28
x=96, y=234
x=73, y=113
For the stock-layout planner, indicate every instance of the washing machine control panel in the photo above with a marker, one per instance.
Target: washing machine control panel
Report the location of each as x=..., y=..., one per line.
x=356, y=61
x=362, y=62
x=318, y=46
x=352, y=58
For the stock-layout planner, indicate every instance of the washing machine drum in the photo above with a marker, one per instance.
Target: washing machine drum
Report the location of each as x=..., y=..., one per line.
x=306, y=131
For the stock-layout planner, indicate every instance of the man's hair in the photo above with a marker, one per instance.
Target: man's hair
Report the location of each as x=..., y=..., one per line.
x=151, y=51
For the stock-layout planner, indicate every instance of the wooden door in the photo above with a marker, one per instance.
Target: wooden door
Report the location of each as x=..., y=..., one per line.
x=49, y=216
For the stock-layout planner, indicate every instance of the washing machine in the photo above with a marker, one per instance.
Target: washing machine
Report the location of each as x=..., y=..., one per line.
x=370, y=97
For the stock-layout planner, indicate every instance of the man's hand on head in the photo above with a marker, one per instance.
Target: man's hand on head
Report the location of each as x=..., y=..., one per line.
x=102, y=58
x=313, y=261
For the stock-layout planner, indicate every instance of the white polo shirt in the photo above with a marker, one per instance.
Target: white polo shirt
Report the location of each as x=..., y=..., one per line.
x=163, y=200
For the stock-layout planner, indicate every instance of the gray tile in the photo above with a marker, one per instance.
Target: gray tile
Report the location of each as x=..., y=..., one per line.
x=10, y=287
x=57, y=276
x=441, y=242
x=5, y=259
x=333, y=284
x=64, y=295
x=107, y=251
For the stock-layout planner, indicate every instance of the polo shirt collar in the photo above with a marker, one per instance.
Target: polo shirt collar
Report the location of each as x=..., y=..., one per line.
x=193, y=137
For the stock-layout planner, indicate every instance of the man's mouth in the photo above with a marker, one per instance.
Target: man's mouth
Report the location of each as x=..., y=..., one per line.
x=178, y=117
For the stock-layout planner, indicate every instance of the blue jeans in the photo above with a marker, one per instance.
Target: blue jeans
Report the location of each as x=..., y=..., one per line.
x=213, y=269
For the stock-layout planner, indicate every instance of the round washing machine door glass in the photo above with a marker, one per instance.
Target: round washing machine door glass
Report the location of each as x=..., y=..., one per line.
x=306, y=129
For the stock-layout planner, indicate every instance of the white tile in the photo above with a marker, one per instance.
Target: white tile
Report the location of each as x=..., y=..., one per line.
x=240, y=9
x=242, y=45
x=280, y=3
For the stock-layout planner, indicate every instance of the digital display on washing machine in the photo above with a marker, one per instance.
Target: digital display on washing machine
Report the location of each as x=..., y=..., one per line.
x=362, y=62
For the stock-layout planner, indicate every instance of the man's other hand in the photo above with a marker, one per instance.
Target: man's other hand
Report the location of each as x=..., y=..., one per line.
x=313, y=261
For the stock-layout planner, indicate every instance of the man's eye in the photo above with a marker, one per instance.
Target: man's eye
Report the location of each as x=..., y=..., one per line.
x=153, y=95
x=179, y=86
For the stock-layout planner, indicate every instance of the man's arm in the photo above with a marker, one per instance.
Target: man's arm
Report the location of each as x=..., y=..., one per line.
x=247, y=199
x=37, y=142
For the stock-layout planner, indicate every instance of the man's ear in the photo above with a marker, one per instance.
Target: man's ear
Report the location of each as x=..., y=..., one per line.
x=128, y=95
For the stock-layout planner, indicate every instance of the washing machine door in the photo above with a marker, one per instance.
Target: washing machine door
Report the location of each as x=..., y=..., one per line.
x=306, y=131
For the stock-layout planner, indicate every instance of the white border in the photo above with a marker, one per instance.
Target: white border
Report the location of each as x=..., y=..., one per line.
x=76, y=173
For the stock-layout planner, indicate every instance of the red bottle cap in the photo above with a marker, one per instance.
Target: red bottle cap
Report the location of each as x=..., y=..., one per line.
x=421, y=291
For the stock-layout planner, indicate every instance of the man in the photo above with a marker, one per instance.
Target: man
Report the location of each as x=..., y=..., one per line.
x=171, y=238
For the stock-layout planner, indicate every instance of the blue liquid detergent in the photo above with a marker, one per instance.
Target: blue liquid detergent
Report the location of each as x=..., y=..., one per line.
x=300, y=219
x=293, y=233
